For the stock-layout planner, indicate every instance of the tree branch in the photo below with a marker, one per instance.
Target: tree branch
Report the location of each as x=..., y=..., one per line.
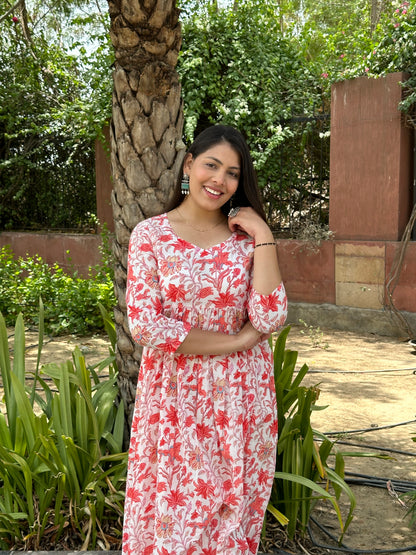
x=394, y=276
x=10, y=11
x=25, y=28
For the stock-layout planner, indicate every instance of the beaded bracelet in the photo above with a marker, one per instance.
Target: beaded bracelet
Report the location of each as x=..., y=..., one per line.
x=264, y=244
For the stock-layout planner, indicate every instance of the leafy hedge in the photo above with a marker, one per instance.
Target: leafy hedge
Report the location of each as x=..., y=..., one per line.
x=71, y=302
x=55, y=97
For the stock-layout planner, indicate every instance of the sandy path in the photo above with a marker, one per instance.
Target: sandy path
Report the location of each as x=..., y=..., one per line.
x=361, y=397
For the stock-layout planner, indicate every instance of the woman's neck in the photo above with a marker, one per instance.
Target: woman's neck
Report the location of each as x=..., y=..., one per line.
x=198, y=216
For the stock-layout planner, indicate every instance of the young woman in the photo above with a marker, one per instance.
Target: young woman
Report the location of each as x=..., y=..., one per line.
x=204, y=292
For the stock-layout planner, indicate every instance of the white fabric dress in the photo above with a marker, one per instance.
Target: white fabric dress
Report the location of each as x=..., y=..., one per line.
x=204, y=429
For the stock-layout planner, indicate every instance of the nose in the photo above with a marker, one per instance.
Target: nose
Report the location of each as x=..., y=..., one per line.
x=219, y=177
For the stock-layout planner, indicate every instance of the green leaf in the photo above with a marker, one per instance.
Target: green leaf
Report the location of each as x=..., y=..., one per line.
x=338, y=481
x=24, y=410
x=108, y=325
x=19, y=464
x=5, y=438
x=19, y=350
x=321, y=493
x=5, y=364
x=40, y=346
x=280, y=517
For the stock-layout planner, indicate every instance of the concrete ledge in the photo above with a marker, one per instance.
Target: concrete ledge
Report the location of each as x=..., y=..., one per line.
x=365, y=320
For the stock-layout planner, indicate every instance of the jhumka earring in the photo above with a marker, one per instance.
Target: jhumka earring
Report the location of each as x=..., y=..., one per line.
x=185, y=184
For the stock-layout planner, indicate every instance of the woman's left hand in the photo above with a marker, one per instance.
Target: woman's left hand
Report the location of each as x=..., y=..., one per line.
x=266, y=273
x=250, y=222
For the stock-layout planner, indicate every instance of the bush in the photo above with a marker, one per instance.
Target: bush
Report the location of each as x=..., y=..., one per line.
x=71, y=302
x=62, y=465
x=55, y=98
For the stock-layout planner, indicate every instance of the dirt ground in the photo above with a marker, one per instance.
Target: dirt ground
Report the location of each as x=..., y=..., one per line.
x=368, y=383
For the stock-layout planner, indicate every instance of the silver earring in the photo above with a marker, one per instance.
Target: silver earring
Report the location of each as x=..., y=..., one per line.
x=185, y=184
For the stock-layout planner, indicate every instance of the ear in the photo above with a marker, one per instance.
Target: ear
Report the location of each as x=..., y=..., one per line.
x=187, y=163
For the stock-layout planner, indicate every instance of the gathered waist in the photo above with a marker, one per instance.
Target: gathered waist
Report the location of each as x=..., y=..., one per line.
x=226, y=320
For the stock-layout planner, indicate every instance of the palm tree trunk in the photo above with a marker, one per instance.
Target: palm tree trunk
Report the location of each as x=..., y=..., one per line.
x=377, y=7
x=146, y=145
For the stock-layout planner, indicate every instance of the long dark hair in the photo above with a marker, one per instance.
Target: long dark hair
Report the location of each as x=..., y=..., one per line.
x=248, y=193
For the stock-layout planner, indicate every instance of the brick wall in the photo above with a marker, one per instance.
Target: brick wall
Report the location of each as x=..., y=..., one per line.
x=371, y=183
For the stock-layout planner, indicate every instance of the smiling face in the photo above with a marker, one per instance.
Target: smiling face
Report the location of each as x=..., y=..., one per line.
x=213, y=176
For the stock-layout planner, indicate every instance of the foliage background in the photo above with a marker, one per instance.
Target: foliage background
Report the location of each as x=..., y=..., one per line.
x=72, y=302
x=247, y=63
x=55, y=93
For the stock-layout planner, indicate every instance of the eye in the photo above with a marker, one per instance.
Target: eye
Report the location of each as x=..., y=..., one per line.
x=211, y=165
x=234, y=175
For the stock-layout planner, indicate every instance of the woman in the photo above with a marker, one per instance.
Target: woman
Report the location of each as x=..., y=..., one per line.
x=204, y=293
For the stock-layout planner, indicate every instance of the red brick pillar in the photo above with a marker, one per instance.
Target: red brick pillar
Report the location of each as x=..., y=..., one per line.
x=370, y=184
x=371, y=160
x=103, y=182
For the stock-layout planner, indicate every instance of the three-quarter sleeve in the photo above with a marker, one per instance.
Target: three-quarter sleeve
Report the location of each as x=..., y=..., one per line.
x=148, y=324
x=268, y=313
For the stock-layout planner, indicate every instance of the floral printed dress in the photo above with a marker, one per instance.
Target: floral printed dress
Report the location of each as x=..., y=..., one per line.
x=203, y=438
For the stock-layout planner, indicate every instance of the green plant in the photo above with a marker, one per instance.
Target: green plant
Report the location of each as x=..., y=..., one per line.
x=62, y=467
x=71, y=302
x=355, y=47
x=301, y=465
x=396, y=51
x=105, y=270
x=314, y=333
x=54, y=102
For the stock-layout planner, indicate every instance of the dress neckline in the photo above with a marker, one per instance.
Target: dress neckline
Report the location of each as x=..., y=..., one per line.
x=216, y=246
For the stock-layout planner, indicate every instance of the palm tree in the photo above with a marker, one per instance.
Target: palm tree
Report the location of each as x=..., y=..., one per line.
x=146, y=145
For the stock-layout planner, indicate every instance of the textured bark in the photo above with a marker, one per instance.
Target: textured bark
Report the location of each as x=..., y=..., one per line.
x=146, y=145
x=377, y=7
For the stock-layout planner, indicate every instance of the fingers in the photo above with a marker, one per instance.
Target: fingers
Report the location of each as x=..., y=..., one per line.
x=238, y=218
x=233, y=226
x=246, y=219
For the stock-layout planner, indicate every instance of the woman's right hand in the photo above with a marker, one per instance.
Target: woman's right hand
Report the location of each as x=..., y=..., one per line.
x=205, y=342
x=248, y=337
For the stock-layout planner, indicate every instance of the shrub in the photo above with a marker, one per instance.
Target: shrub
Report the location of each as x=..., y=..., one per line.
x=62, y=467
x=71, y=302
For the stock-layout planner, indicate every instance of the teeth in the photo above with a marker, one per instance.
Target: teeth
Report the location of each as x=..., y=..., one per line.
x=212, y=191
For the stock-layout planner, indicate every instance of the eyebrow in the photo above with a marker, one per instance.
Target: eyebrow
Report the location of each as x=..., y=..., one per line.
x=219, y=162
